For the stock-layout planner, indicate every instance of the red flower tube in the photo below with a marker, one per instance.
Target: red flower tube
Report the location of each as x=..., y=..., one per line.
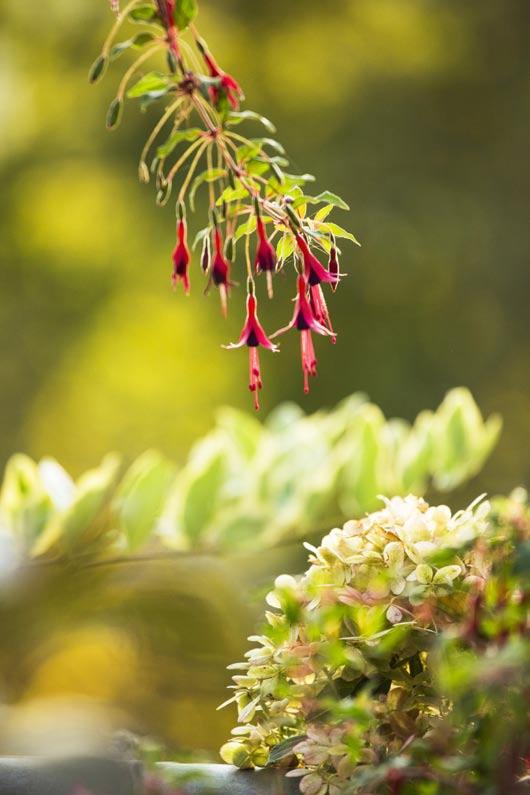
x=305, y=321
x=315, y=272
x=253, y=336
x=265, y=256
x=181, y=258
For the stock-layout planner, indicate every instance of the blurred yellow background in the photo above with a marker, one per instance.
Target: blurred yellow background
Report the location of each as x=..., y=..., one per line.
x=416, y=112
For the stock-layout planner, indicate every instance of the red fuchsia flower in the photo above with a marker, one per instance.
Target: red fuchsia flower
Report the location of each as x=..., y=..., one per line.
x=227, y=84
x=265, y=256
x=220, y=271
x=305, y=321
x=181, y=258
x=315, y=272
x=253, y=336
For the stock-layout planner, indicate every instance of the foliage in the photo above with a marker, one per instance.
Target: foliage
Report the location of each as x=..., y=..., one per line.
x=247, y=485
x=387, y=666
x=250, y=192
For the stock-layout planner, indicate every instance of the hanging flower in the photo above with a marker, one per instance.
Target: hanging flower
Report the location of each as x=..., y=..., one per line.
x=220, y=271
x=305, y=321
x=181, y=257
x=315, y=272
x=228, y=86
x=265, y=255
x=253, y=336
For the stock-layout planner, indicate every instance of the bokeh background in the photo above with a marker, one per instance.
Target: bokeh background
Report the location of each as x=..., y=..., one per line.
x=415, y=111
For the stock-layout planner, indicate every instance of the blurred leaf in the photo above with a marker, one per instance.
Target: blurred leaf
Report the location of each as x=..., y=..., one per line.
x=212, y=175
x=67, y=527
x=185, y=12
x=149, y=83
x=190, y=134
x=141, y=496
x=249, y=115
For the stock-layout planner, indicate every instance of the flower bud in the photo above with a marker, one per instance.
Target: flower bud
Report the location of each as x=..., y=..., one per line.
x=98, y=69
x=114, y=113
x=206, y=254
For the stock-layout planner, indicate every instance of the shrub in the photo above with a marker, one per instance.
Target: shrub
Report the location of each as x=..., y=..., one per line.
x=386, y=666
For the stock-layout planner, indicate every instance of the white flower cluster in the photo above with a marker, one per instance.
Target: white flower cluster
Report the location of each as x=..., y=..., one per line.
x=389, y=554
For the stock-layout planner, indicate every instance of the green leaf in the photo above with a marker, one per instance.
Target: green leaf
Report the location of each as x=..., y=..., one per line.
x=284, y=749
x=211, y=175
x=199, y=237
x=205, y=477
x=232, y=195
x=190, y=134
x=338, y=231
x=185, y=13
x=143, y=13
x=325, y=197
x=24, y=503
x=141, y=496
x=285, y=247
x=234, y=118
x=246, y=229
x=323, y=213
x=151, y=82
x=69, y=527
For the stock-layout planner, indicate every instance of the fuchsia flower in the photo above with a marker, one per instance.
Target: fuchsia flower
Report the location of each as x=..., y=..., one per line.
x=265, y=255
x=253, y=336
x=227, y=84
x=181, y=257
x=305, y=321
x=220, y=272
x=315, y=272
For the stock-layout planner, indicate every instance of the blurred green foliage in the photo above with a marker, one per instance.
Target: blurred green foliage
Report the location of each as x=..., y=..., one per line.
x=247, y=485
x=413, y=110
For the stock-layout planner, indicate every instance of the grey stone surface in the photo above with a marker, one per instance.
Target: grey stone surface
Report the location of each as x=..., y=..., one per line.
x=227, y=780
x=22, y=776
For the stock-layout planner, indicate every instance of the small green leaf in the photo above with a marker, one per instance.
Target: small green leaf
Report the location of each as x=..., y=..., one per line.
x=323, y=213
x=143, y=38
x=151, y=82
x=326, y=196
x=185, y=12
x=120, y=48
x=114, y=113
x=199, y=237
x=98, y=69
x=231, y=195
x=284, y=749
x=246, y=229
x=211, y=175
x=143, y=13
x=141, y=496
x=338, y=231
x=285, y=247
x=249, y=115
x=190, y=134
